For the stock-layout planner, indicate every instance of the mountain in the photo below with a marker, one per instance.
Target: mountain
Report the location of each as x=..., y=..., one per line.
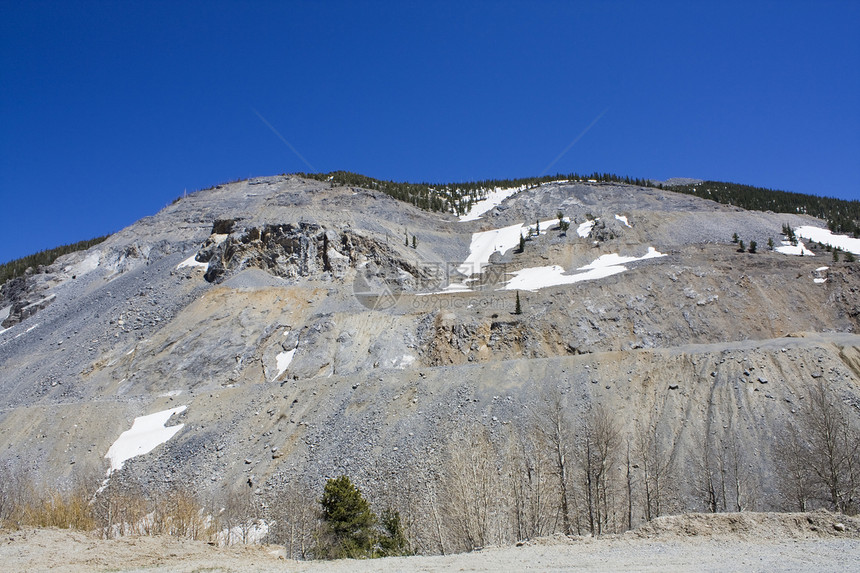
x=261, y=336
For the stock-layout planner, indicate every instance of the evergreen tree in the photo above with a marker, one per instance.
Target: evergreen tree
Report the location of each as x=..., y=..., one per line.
x=741, y=247
x=849, y=257
x=770, y=243
x=562, y=224
x=836, y=255
x=753, y=246
x=406, y=240
x=735, y=238
x=347, y=519
x=414, y=242
x=518, y=309
x=393, y=539
x=522, y=243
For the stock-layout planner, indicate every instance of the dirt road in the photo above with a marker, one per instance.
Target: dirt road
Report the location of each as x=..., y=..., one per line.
x=817, y=541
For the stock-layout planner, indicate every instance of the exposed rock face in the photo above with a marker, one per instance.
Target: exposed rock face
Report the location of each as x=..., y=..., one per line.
x=303, y=250
x=283, y=250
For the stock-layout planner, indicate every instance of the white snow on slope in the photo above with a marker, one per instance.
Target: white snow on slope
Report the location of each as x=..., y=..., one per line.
x=614, y=259
x=799, y=249
x=623, y=219
x=535, y=278
x=253, y=534
x=825, y=237
x=217, y=239
x=493, y=200
x=146, y=433
x=192, y=262
x=485, y=243
x=819, y=269
x=283, y=359
x=585, y=228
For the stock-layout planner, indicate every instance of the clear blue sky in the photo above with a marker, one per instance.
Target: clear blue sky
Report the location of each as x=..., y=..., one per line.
x=109, y=110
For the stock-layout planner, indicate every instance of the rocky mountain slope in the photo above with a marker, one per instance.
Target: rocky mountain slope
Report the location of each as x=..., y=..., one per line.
x=296, y=333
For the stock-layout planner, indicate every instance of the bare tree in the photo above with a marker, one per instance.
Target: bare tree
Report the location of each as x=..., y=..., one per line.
x=708, y=477
x=794, y=475
x=599, y=445
x=629, y=478
x=553, y=426
x=294, y=519
x=834, y=448
x=529, y=470
x=473, y=492
x=241, y=516
x=656, y=462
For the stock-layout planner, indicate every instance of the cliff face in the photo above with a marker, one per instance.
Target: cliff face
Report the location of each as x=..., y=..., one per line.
x=306, y=336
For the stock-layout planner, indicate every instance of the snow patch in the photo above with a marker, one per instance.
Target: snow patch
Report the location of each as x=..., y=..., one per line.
x=216, y=238
x=485, y=243
x=614, y=259
x=494, y=199
x=825, y=237
x=799, y=249
x=623, y=219
x=584, y=229
x=192, y=262
x=283, y=359
x=250, y=534
x=819, y=281
x=146, y=433
x=535, y=278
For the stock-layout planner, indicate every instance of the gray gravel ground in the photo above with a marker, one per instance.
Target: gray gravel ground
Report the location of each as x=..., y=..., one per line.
x=58, y=550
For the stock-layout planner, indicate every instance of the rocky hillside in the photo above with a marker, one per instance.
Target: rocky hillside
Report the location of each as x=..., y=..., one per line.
x=289, y=330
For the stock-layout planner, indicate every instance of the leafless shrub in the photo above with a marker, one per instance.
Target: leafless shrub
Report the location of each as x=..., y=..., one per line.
x=826, y=453
x=598, y=449
x=532, y=485
x=294, y=519
x=476, y=508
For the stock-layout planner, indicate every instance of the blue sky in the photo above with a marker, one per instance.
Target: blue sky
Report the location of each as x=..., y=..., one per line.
x=110, y=110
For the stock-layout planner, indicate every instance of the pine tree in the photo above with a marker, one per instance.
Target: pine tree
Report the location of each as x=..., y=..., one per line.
x=735, y=238
x=562, y=224
x=407, y=238
x=393, y=539
x=849, y=257
x=741, y=247
x=518, y=309
x=836, y=255
x=348, y=521
x=414, y=242
x=770, y=243
x=753, y=246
